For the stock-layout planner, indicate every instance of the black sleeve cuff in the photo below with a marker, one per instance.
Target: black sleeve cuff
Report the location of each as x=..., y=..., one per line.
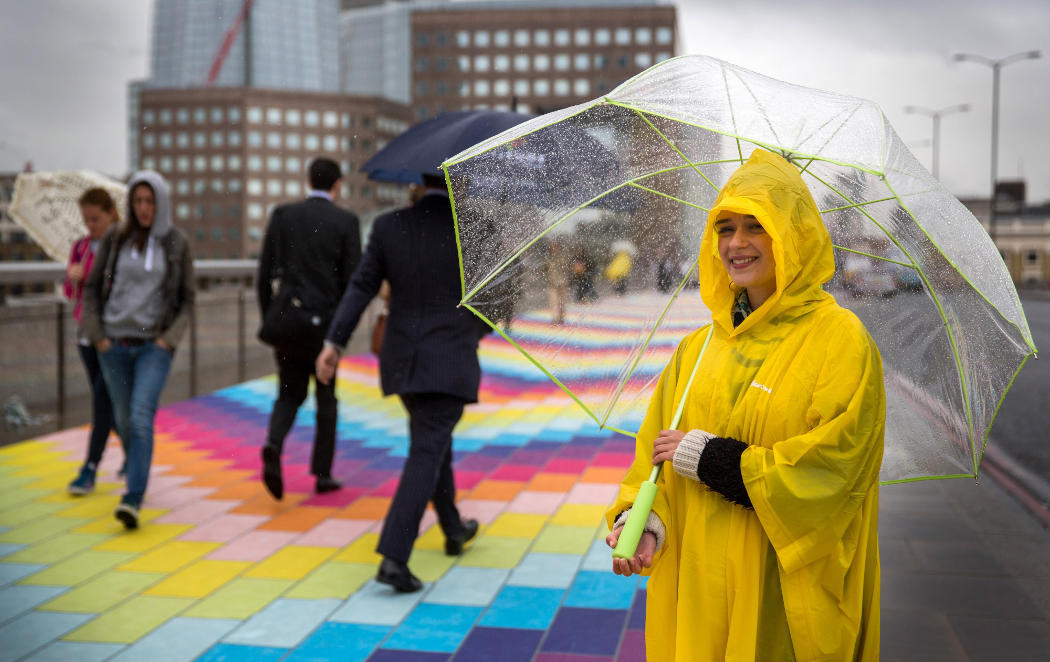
x=719, y=469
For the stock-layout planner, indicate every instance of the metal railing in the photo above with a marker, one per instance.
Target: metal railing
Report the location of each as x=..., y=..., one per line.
x=39, y=364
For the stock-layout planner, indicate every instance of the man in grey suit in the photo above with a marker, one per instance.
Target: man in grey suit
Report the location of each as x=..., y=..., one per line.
x=311, y=247
x=428, y=357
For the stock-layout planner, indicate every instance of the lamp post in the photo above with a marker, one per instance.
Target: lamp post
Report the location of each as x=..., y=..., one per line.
x=936, y=115
x=996, y=66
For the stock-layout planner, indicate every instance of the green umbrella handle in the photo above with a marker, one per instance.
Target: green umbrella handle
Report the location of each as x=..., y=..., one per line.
x=633, y=528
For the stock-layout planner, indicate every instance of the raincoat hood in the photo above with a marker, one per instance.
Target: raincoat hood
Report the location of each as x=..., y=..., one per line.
x=770, y=189
x=162, y=216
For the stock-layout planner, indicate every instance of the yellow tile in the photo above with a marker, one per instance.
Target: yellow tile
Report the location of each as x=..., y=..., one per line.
x=28, y=512
x=432, y=538
x=12, y=483
x=334, y=580
x=171, y=556
x=56, y=548
x=291, y=562
x=97, y=506
x=361, y=550
x=240, y=599
x=56, y=480
x=102, y=592
x=77, y=569
x=495, y=552
x=198, y=580
x=556, y=539
x=579, y=514
x=129, y=622
x=107, y=523
x=430, y=565
x=39, y=529
x=517, y=525
x=147, y=536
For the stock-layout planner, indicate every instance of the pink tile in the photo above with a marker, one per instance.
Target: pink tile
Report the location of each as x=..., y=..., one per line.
x=197, y=512
x=566, y=466
x=387, y=489
x=632, y=648
x=544, y=503
x=482, y=510
x=338, y=499
x=515, y=472
x=613, y=460
x=254, y=546
x=598, y=493
x=468, y=480
x=179, y=496
x=161, y=483
x=336, y=532
x=224, y=528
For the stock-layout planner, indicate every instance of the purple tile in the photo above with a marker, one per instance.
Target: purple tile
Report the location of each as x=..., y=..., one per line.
x=632, y=648
x=577, y=452
x=388, y=655
x=566, y=657
x=387, y=463
x=585, y=631
x=637, y=618
x=477, y=462
x=504, y=644
x=529, y=456
x=497, y=451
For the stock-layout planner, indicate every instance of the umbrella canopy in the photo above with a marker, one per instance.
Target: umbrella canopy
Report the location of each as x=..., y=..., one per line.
x=922, y=273
x=46, y=205
x=421, y=149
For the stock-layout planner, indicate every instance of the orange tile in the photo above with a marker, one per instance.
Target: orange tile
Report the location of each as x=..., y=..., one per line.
x=246, y=489
x=610, y=475
x=222, y=478
x=264, y=504
x=552, y=482
x=298, y=519
x=497, y=490
x=369, y=508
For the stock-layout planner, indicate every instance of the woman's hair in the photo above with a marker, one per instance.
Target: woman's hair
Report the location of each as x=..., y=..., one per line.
x=132, y=229
x=100, y=198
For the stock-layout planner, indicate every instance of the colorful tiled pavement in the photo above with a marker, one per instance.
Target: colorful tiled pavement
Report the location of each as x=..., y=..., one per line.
x=221, y=572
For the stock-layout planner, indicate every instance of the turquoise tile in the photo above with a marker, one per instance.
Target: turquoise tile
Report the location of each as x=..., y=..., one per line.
x=15, y=600
x=434, y=628
x=12, y=572
x=598, y=557
x=601, y=590
x=468, y=586
x=232, y=653
x=283, y=623
x=81, y=651
x=178, y=640
x=523, y=607
x=31, y=631
x=377, y=604
x=346, y=642
x=545, y=570
x=8, y=548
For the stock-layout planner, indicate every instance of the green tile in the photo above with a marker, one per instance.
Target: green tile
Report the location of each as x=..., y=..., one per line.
x=57, y=548
x=429, y=565
x=17, y=497
x=103, y=592
x=556, y=539
x=336, y=580
x=495, y=552
x=241, y=598
x=131, y=620
x=33, y=532
x=78, y=568
x=28, y=512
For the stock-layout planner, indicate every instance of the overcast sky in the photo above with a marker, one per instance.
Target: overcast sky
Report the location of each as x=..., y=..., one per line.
x=67, y=63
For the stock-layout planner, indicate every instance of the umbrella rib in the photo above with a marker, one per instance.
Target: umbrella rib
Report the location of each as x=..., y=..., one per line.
x=855, y=204
x=875, y=257
x=995, y=414
x=853, y=112
x=666, y=195
x=675, y=148
x=758, y=103
x=732, y=112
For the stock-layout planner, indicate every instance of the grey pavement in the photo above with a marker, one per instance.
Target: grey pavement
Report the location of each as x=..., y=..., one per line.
x=965, y=574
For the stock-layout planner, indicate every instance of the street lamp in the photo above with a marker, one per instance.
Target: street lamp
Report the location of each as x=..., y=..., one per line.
x=996, y=66
x=936, y=115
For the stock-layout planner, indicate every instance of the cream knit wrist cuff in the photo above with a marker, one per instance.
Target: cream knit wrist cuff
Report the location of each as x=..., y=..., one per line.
x=687, y=455
x=653, y=525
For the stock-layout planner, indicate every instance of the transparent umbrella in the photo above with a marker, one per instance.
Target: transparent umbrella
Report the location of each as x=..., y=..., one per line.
x=643, y=165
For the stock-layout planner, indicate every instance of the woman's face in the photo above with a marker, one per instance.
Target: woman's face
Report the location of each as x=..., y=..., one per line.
x=97, y=220
x=746, y=251
x=144, y=204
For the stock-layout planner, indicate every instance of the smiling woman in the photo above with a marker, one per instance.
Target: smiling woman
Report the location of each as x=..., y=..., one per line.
x=746, y=250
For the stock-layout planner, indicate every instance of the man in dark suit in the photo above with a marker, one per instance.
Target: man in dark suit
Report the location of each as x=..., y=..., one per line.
x=311, y=247
x=429, y=357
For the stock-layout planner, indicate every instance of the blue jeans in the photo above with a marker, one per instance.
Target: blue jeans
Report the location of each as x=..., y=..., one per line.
x=135, y=376
x=101, y=409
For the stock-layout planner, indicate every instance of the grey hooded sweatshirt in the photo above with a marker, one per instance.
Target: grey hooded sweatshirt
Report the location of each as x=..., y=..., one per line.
x=145, y=293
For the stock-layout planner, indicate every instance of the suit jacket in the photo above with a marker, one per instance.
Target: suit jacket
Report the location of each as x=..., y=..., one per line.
x=312, y=246
x=430, y=345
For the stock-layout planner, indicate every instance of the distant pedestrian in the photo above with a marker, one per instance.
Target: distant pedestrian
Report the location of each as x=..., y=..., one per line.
x=429, y=358
x=99, y=213
x=558, y=269
x=310, y=249
x=138, y=302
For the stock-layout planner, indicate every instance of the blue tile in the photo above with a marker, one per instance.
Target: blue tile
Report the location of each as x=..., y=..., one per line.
x=15, y=600
x=12, y=572
x=636, y=621
x=523, y=607
x=598, y=557
x=377, y=604
x=284, y=623
x=232, y=653
x=7, y=548
x=178, y=640
x=601, y=590
x=345, y=642
x=487, y=644
x=31, y=631
x=462, y=585
x=81, y=651
x=585, y=631
x=545, y=570
x=434, y=628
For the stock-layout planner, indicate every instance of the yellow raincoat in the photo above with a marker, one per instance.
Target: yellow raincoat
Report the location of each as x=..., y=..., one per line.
x=800, y=381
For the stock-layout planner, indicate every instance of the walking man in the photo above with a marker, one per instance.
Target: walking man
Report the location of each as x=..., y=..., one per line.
x=310, y=249
x=429, y=357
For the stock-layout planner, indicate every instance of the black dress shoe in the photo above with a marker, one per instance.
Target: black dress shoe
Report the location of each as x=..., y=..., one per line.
x=454, y=544
x=327, y=484
x=272, y=478
x=397, y=574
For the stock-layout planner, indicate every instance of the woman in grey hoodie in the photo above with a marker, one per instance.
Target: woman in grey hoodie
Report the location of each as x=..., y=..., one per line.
x=138, y=301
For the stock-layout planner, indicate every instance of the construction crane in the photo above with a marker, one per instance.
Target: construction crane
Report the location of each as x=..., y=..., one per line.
x=227, y=43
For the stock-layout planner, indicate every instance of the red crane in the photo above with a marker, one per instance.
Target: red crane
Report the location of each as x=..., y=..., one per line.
x=227, y=42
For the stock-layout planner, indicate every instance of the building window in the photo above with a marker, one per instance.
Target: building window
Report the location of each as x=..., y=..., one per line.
x=217, y=163
x=542, y=37
x=254, y=139
x=663, y=35
x=182, y=211
x=293, y=140
x=182, y=116
x=182, y=140
x=200, y=163
x=441, y=64
x=182, y=164
x=165, y=164
x=602, y=36
x=643, y=60
x=273, y=187
x=331, y=142
x=216, y=115
x=293, y=165
x=481, y=88
x=293, y=117
x=582, y=37
x=600, y=62
x=561, y=87
x=217, y=138
x=581, y=87
x=200, y=139
x=662, y=55
x=481, y=63
x=464, y=89
x=421, y=64
x=234, y=163
x=311, y=118
x=481, y=38
x=643, y=36
x=273, y=116
x=182, y=187
x=311, y=142
x=148, y=140
x=521, y=38
x=233, y=115
x=200, y=186
x=233, y=138
x=463, y=39
x=501, y=38
x=346, y=121
x=255, y=187
x=422, y=39
x=292, y=187
x=254, y=163
x=623, y=36
x=254, y=114
x=165, y=116
x=463, y=63
x=218, y=185
x=274, y=140
x=200, y=115
x=541, y=87
x=521, y=87
x=501, y=63
x=541, y=62
x=217, y=234
x=421, y=89
x=273, y=163
x=147, y=116
x=1031, y=257
x=521, y=63
x=581, y=62
x=621, y=61
x=234, y=186
x=501, y=88
x=561, y=62
x=561, y=37
x=255, y=210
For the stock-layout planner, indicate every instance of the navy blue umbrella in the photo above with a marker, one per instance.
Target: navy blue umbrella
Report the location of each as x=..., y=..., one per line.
x=424, y=146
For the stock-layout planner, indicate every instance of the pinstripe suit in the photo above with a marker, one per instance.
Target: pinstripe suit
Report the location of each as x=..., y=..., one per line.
x=429, y=355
